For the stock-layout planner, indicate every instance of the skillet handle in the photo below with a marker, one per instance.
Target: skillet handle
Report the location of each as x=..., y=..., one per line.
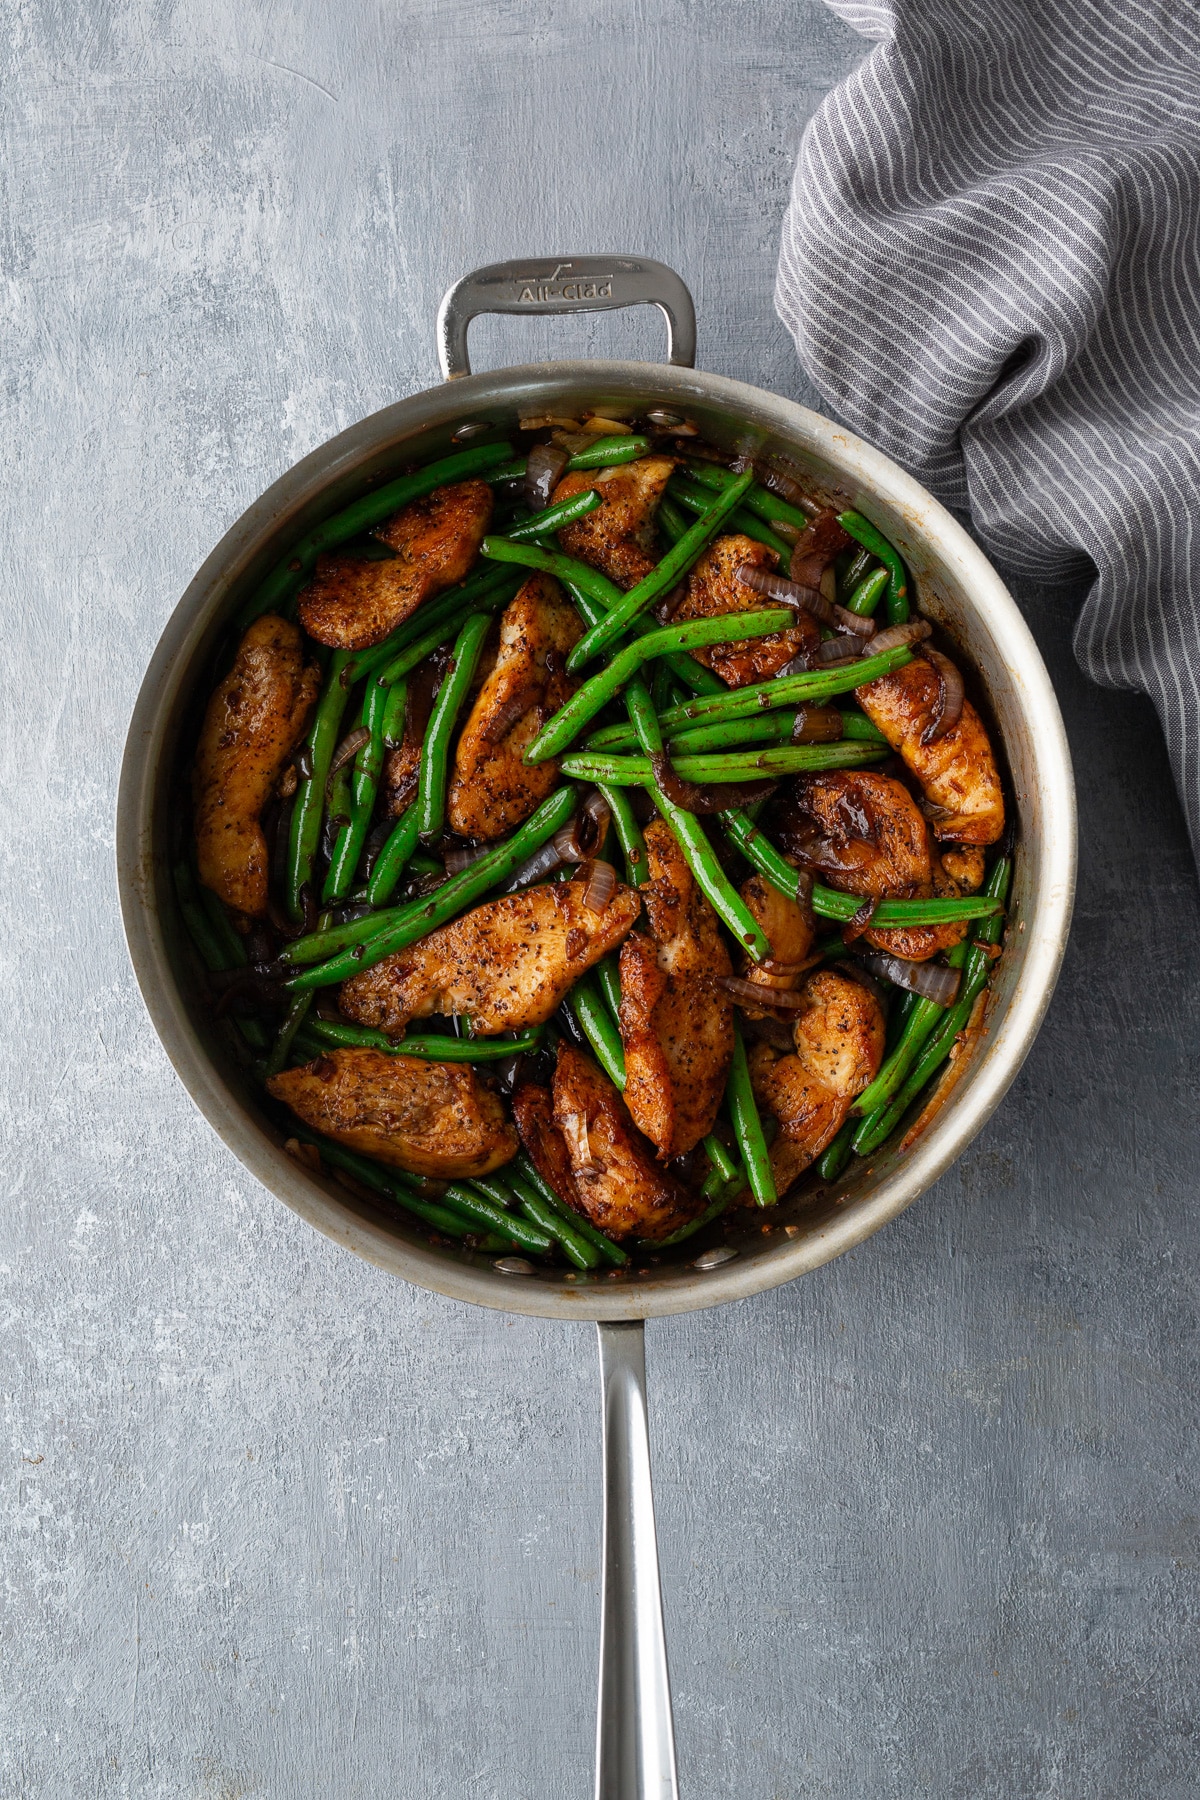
x=574, y=285
x=635, y=1737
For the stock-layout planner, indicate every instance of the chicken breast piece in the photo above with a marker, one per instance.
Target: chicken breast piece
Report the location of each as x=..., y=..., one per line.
x=862, y=832
x=788, y=928
x=917, y=943
x=618, y=538
x=429, y=1118
x=713, y=590
x=533, y=1113
x=839, y=1043
x=957, y=773
x=619, y=1184
x=676, y=1025
x=351, y=603
x=964, y=864
x=506, y=965
x=492, y=789
x=253, y=722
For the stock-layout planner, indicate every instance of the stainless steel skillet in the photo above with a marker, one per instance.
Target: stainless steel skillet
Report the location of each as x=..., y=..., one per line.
x=957, y=588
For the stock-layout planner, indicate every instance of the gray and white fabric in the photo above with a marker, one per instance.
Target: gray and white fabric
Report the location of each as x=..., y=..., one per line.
x=991, y=268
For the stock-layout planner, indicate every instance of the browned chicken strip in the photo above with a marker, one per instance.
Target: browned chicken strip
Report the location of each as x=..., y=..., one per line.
x=507, y=964
x=351, y=603
x=965, y=865
x=789, y=930
x=492, y=789
x=619, y=1184
x=427, y=1117
x=714, y=590
x=839, y=1041
x=533, y=1113
x=676, y=1026
x=252, y=723
x=957, y=772
x=618, y=538
x=863, y=833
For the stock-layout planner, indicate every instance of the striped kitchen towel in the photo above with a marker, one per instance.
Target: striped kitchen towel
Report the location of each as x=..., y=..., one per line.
x=991, y=268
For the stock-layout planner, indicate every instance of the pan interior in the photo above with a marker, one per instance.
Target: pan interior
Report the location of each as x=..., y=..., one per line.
x=955, y=586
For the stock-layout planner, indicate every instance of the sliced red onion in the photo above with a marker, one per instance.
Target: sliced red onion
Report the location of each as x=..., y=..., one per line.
x=462, y=856
x=780, y=480
x=346, y=751
x=543, y=472
x=800, y=664
x=898, y=637
x=861, y=921
x=581, y=839
x=845, y=620
x=839, y=650
x=817, y=725
x=601, y=886
x=947, y=708
x=753, y=993
x=670, y=603
x=856, y=972
x=302, y=762
x=543, y=862
x=932, y=981
x=783, y=528
x=513, y=711
x=788, y=593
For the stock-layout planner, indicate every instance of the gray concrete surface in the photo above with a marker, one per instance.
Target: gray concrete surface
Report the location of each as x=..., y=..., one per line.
x=275, y=1526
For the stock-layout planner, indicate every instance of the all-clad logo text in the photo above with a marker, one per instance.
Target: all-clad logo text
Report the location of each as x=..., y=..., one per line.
x=555, y=287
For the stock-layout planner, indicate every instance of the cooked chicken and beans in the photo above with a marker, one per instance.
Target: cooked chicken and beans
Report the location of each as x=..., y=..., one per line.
x=590, y=844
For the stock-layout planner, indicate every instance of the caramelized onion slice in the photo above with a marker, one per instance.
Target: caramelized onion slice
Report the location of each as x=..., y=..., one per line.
x=817, y=725
x=543, y=472
x=947, y=708
x=787, y=593
x=691, y=797
x=932, y=981
x=754, y=993
x=898, y=637
x=601, y=885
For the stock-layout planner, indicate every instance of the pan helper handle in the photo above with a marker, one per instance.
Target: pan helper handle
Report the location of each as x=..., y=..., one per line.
x=570, y=285
x=635, y=1736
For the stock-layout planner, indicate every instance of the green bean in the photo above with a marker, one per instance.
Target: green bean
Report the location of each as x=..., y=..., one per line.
x=201, y=929
x=664, y=575
x=759, y=499
x=690, y=835
x=393, y=859
x=748, y=1129
x=742, y=519
x=684, y=667
x=976, y=974
x=873, y=540
x=629, y=835
x=478, y=1200
x=309, y=805
x=567, y=569
x=713, y=1210
x=788, y=690
x=829, y=904
x=608, y=977
x=596, y=1023
x=547, y=1218
x=368, y=766
x=435, y=751
x=293, y=1019
x=612, y=1252
x=868, y=593
x=750, y=765
x=386, y=1182
x=724, y=1163
x=858, y=567
x=766, y=728
x=430, y=1048
x=920, y=1025
x=606, y=452
x=588, y=700
x=552, y=518
x=393, y=714
x=671, y=521
x=287, y=576
x=836, y=1155
x=403, y=925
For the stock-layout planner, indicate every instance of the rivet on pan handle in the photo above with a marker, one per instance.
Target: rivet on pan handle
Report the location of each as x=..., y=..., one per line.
x=572, y=285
